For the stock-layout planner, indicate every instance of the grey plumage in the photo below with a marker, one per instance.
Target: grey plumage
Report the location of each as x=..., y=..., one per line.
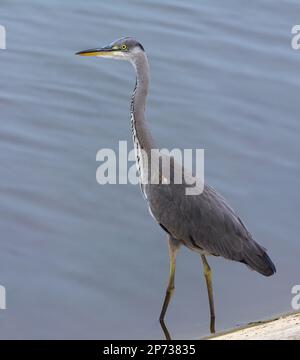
x=204, y=223
x=207, y=224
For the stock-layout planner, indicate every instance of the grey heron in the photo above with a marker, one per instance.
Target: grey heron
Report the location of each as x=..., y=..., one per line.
x=204, y=223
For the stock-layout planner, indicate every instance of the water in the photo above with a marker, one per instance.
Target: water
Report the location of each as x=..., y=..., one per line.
x=80, y=260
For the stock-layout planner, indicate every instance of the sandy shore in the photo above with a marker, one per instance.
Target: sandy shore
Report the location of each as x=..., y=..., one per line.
x=286, y=327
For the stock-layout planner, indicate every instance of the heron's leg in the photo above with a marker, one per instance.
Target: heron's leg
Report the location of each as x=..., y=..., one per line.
x=208, y=278
x=173, y=248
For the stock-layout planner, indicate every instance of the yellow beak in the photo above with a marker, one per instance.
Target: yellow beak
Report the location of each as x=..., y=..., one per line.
x=106, y=51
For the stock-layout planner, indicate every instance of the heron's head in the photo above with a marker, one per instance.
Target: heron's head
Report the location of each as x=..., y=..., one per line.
x=123, y=49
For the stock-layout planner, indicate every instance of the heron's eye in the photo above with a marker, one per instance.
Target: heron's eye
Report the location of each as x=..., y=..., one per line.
x=124, y=47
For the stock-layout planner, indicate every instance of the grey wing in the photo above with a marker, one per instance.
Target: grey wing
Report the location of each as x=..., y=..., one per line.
x=206, y=223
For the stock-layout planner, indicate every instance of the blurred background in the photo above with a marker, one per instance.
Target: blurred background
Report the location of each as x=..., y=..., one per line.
x=81, y=260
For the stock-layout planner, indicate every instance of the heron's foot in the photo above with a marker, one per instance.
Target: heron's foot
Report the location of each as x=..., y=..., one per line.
x=212, y=325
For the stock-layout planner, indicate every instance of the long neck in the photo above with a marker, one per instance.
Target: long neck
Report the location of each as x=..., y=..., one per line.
x=141, y=135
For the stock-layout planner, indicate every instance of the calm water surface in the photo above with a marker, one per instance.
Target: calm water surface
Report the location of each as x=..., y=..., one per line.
x=80, y=260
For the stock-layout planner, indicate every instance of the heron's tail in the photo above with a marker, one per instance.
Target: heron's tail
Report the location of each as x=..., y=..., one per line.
x=259, y=261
